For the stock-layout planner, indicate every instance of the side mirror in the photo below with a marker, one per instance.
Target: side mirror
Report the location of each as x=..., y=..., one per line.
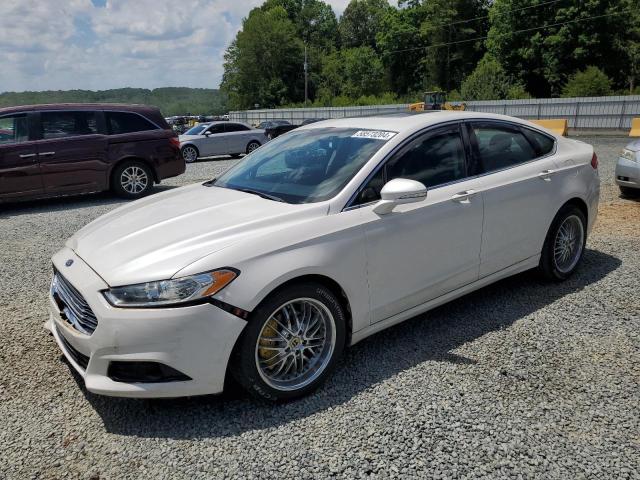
x=207, y=134
x=398, y=192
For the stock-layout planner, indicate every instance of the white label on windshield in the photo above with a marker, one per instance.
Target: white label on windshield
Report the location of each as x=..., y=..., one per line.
x=377, y=134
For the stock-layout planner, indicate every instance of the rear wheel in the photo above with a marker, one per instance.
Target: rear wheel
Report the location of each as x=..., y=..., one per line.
x=564, y=245
x=630, y=192
x=252, y=146
x=190, y=153
x=291, y=343
x=132, y=179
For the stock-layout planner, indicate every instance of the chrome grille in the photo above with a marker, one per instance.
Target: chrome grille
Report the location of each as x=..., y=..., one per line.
x=74, y=308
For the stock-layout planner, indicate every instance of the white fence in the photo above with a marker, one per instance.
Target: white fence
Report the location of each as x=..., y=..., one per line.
x=583, y=113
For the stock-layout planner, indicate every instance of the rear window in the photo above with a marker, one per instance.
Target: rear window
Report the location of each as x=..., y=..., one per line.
x=124, y=122
x=67, y=124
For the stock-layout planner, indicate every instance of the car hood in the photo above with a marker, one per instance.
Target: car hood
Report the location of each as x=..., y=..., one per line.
x=154, y=238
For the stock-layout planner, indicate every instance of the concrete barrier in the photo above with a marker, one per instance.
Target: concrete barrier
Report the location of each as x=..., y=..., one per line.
x=559, y=126
x=635, y=127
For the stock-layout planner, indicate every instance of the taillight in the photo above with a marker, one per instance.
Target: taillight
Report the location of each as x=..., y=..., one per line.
x=175, y=142
x=594, y=161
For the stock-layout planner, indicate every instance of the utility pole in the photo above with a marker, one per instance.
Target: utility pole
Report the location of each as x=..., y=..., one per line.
x=306, y=76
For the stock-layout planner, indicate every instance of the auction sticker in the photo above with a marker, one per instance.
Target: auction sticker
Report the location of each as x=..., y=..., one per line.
x=376, y=134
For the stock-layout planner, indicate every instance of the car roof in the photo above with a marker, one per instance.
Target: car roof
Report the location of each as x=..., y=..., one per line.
x=80, y=106
x=408, y=122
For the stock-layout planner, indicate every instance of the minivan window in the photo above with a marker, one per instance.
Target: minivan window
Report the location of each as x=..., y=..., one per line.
x=67, y=124
x=434, y=159
x=14, y=129
x=124, y=122
x=501, y=147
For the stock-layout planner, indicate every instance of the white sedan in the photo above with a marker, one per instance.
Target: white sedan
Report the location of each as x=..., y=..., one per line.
x=220, y=138
x=312, y=243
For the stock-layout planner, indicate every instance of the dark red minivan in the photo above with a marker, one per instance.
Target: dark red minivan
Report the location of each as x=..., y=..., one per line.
x=64, y=149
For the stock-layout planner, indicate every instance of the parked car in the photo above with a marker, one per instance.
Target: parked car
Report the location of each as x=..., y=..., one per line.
x=628, y=169
x=275, y=128
x=315, y=241
x=50, y=150
x=220, y=138
x=309, y=121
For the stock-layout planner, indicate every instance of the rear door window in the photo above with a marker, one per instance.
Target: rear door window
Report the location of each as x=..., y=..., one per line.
x=501, y=146
x=126, y=122
x=14, y=129
x=67, y=124
x=235, y=127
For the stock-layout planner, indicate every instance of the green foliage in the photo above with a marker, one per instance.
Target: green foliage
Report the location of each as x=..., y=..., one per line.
x=591, y=82
x=171, y=101
x=361, y=21
x=352, y=73
x=489, y=81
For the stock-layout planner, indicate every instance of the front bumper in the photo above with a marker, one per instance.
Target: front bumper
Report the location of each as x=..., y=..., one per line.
x=627, y=173
x=195, y=340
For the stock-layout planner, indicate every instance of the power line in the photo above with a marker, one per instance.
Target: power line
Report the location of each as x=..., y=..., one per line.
x=508, y=33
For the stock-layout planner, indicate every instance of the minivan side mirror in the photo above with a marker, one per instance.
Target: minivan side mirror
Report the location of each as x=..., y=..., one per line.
x=398, y=192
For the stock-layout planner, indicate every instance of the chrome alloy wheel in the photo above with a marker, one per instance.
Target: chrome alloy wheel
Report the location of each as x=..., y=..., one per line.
x=568, y=244
x=189, y=154
x=134, y=179
x=252, y=146
x=295, y=344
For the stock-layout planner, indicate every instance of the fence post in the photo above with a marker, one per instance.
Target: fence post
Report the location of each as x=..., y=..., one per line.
x=539, y=110
x=624, y=104
x=575, y=121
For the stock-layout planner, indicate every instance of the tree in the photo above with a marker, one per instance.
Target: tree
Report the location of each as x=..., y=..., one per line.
x=263, y=64
x=591, y=82
x=352, y=73
x=489, y=81
x=573, y=34
x=361, y=21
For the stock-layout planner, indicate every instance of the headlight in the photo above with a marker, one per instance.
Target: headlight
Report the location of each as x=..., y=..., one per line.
x=629, y=155
x=171, y=292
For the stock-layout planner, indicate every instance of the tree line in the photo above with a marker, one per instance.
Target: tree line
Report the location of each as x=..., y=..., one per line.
x=171, y=100
x=473, y=49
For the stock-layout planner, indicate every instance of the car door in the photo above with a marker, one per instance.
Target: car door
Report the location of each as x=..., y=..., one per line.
x=214, y=142
x=19, y=167
x=238, y=137
x=520, y=191
x=423, y=250
x=72, y=152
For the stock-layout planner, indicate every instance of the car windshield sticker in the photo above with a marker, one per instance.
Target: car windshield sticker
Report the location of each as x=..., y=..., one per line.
x=376, y=134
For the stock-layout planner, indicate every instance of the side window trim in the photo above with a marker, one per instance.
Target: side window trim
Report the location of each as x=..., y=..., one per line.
x=399, y=150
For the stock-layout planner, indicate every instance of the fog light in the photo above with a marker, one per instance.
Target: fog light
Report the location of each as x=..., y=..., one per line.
x=144, y=372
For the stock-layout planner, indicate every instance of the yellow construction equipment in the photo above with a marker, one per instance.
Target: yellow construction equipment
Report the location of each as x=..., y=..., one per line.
x=559, y=126
x=436, y=101
x=635, y=127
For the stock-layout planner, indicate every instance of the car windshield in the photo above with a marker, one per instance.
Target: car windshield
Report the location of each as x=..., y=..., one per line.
x=197, y=130
x=305, y=166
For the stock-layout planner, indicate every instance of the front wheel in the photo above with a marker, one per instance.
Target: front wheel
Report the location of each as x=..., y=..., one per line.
x=190, y=153
x=132, y=179
x=253, y=145
x=564, y=245
x=292, y=342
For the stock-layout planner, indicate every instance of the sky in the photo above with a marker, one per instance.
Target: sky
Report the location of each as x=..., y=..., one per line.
x=102, y=44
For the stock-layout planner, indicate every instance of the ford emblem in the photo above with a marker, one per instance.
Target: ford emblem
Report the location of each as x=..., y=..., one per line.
x=69, y=262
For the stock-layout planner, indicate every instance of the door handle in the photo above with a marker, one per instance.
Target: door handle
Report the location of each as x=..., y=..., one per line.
x=47, y=154
x=27, y=155
x=546, y=175
x=463, y=196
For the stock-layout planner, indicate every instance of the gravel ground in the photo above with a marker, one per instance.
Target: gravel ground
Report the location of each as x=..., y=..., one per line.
x=522, y=379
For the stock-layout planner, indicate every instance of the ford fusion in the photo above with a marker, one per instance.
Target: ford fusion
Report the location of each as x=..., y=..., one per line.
x=311, y=243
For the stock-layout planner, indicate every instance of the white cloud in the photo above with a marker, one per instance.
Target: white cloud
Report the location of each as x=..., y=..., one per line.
x=139, y=43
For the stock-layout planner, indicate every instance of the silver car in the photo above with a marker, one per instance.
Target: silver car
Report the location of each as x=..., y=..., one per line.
x=628, y=169
x=220, y=138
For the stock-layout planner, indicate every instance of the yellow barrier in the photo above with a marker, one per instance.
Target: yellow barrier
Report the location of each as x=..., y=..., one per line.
x=556, y=125
x=635, y=127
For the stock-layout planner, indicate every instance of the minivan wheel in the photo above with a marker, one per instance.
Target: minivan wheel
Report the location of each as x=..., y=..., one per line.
x=132, y=179
x=291, y=344
x=252, y=146
x=564, y=245
x=190, y=153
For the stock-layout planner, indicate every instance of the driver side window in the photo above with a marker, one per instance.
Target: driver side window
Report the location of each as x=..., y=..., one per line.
x=213, y=129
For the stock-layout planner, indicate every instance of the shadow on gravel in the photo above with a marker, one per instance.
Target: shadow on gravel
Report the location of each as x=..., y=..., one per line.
x=426, y=338
x=60, y=204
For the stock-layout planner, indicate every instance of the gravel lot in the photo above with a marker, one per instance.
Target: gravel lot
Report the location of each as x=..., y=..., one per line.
x=521, y=379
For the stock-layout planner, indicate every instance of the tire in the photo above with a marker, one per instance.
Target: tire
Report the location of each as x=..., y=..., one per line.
x=564, y=245
x=132, y=179
x=254, y=363
x=253, y=144
x=630, y=192
x=190, y=153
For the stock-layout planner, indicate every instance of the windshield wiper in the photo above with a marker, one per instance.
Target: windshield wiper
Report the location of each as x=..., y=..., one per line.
x=260, y=194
